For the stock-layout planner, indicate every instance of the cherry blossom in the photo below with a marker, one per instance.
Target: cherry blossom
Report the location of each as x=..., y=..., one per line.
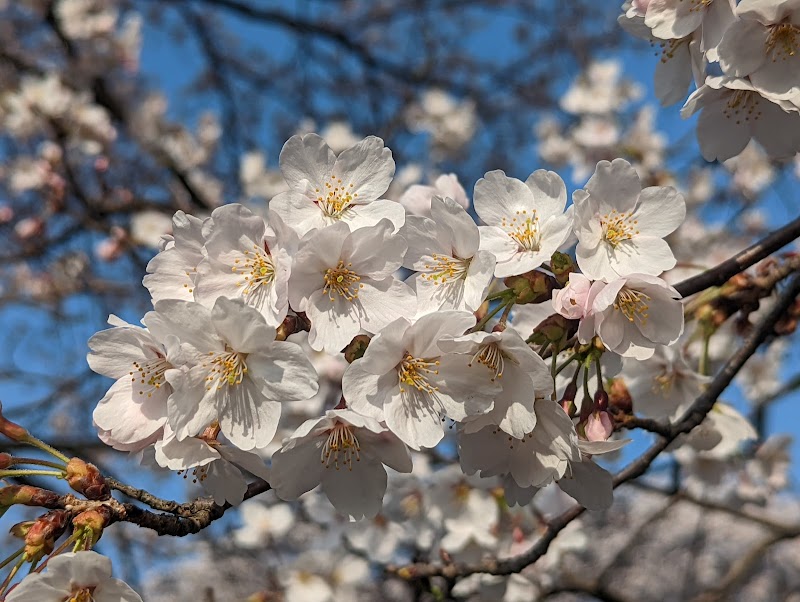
x=522, y=374
x=217, y=467
x=248, y=259
x=732, y=112
x=134, y=410
x=670, y=19
x=451, y=272
x=74, y=576
x=620, y=227
x=762, y=45
x=235, y=371
x=345, y=453
x=633, y=315
x=325, y=189
x=535, y=460
x=417, y=199
x=343, y=281
x=572, y=301
x=171, y=274
x=525, y=221
x=663, y=385
x=408, y=381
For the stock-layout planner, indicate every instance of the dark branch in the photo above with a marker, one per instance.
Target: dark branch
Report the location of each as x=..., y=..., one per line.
x=720, y=274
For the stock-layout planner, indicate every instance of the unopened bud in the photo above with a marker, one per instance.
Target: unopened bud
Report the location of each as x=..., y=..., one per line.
x=569, y=407
x=27, y=495
x=555, y=330
x=601, y=400
x=6, y=460
x=90, y=524
x=289, y=326
x=85, y=478
x=619, y=397
x=356, y=348
x=481, y=312
x=562, y=266
x=12, y=430
x=40, y=538
x=531, y=287
x=587, y=407
x=599, y=426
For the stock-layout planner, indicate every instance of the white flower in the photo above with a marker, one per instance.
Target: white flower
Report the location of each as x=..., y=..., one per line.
x=671, y=19
x=681, y=60
x=257, y=180
x=262, y=523
x=474, y=523
x=600, y=90
x=215, y=466
x=236, y=372
x=171, y=273
x=451, y=272
x=732, y=112
x=149, y=227
x=620, y=227
x=663, y=385
x=343, y=281
x=633, y=315
x=405, y=379
x=85, y=19
x=345, y=453
x=248, y=259
x=134, y=410
x=417, y=199
x=451, y=123
x=325, y=189
x=522, y=374
x=74, y=576
x=539, y=458
x=525, y=221
x=763, y=45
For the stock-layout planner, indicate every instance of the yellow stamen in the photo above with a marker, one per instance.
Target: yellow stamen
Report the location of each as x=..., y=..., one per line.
x=414, y=372
x=343, y=281
x=618, y=227
x=341, y=440
x=524, y=229
x=633, y=305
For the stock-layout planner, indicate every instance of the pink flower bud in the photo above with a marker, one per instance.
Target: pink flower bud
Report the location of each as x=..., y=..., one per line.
x=572, y=300
x=599, y=426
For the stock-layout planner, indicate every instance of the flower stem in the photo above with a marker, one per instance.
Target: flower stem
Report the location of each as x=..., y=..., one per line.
x=37, y=462
x=12, y=557
x=31, y=473
x=499, y=294
x=38, y=443
x=491, y=314
x=7, y=580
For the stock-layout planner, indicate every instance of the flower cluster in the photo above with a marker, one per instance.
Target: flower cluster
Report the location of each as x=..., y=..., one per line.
x=753, y=90
x=407, y=299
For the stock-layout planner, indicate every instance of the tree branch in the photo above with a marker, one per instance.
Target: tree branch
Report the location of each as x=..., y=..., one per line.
x=719, y=274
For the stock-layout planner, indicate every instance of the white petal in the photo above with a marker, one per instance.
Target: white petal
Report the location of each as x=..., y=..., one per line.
x=305, y=158
x=358, y=492
x=497, y=197
x=368, y=166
